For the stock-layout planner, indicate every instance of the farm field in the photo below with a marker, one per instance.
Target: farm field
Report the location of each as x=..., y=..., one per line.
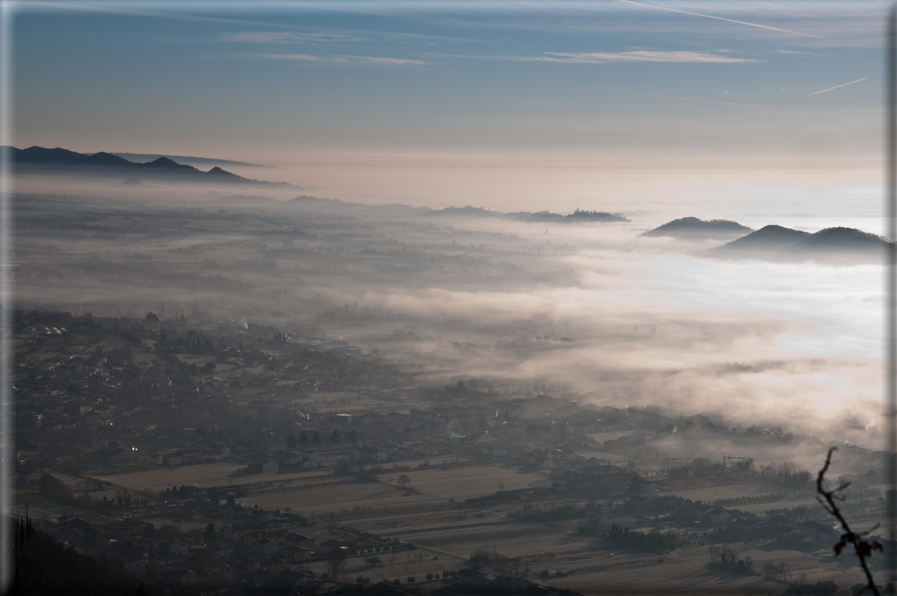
x=708, y=491
x=646, y=465
x=449, y=516
x=40, y=507
x=347, y=492
x=759, y=508
x=329, y=493
x=205, y=475
x=466, y=482
x=401, y=565
x=439, y=460
x=685, y=571
x=511, y=539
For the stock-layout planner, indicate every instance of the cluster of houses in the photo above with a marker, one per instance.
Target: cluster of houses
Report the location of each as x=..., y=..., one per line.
x=239, y=545
x=116, y=395
x=718, y=524
x=196, y=456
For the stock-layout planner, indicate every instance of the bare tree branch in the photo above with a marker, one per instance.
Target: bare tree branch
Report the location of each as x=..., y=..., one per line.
x=864, y=548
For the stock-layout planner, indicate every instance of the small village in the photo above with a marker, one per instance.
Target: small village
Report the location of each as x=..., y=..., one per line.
x=271, y=417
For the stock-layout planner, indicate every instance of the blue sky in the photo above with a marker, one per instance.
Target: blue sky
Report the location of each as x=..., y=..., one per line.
x=692, y=80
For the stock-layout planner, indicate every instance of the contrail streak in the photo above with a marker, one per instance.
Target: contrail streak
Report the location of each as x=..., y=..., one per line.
x=838, y=86
x=707, y=16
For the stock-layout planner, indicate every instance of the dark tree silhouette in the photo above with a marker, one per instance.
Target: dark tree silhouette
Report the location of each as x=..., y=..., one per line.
x=336, y=563
x=863, y=547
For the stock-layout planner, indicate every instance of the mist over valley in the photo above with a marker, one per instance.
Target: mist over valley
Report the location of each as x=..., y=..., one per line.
x=513, y=337
x=441, y=299
x=534, y=300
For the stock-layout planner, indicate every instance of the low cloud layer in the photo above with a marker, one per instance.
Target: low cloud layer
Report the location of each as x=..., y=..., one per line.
x=591, y=309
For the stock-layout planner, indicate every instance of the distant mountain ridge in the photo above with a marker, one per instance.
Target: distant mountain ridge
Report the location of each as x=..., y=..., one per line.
x=578, y=215
x=466, y=212
x=189, y=160
x=777, y=243
x=692, y=228
x=768, y=238
x=541, y=216
x=63, y=161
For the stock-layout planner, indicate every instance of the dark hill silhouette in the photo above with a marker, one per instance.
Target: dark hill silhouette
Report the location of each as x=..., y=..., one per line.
x=62, y=162
x=841, y=241
x=540, y=216
x=767, y=238
x=197, y=162
x=692, y=228
x=46, y=567
x=577, y=216
x=104, y=158
x=42, y=155
x=164, y=162
x=780, y=244
x=222, y=174
x=466, y=211
x=583, y=215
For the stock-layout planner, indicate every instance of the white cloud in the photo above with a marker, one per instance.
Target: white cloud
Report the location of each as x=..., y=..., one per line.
x=797, y=53
x=609, y=57
x=344, y=59
x=263, y=37
x=634, y=56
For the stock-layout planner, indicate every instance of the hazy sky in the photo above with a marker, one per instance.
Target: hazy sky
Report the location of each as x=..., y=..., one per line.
x=677, y=83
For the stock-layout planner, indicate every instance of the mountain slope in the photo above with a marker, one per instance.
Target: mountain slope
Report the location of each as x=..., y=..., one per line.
x=841, y=241
x=780, y=244
x=769, y=238
x=196, y=162
x=62, y=162
x=692, y=228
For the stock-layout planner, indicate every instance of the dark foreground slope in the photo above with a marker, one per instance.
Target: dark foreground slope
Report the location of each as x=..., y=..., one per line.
x=47, y=568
